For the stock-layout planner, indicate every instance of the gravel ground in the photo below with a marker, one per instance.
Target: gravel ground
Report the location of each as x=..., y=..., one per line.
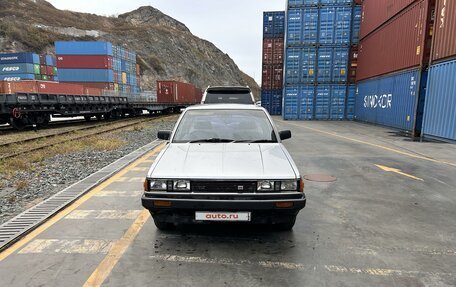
x=56, y=173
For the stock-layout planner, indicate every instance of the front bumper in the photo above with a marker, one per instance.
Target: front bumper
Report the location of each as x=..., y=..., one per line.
x=262, y=206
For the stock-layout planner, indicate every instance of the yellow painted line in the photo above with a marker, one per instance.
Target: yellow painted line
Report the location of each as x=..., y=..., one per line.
x=113, y=193
x=26, y=239
x=131, y=179
x=398, y=171
x=103, y=214
x=374, y=145
x=117, y=250
x=140, y=169
x=77, y=246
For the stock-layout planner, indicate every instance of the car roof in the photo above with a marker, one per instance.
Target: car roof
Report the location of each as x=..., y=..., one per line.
x=225, y=107
x=228, y=88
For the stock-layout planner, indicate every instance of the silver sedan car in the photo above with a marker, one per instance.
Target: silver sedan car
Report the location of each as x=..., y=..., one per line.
x=224, y=163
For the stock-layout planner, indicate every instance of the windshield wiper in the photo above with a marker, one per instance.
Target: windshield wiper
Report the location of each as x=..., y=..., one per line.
x=255, y=141
x=212, y=140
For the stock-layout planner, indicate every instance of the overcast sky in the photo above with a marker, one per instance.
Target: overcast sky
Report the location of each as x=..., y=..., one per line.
x=234, y=26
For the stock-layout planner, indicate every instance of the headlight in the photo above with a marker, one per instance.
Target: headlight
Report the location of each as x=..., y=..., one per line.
x=169, y=185
x=158, y=185
x=181, y=185
x=289, y=185
x=265, y=185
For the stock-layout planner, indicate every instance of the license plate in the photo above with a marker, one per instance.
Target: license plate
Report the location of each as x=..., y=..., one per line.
x=222, y=216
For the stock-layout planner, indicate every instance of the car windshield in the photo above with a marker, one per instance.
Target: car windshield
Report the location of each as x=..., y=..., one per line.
x=228, y=98
x=219, y=126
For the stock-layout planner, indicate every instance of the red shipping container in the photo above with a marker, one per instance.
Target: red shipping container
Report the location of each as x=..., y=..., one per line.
x=377, y=12
x=273, y=49
x=43, y=87
x=444, y=42
x=102, y=86
x=49, y=70
x=138, y=70
x=402, y=43
x=43, y=70
x=353, y=64
x=175, y=92
x=198, y=95
x=42, y=59
x=272, y=77
x=84, y=62
x=59, y=88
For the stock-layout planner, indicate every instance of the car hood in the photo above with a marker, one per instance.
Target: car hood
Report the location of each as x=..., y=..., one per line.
x=224, y=161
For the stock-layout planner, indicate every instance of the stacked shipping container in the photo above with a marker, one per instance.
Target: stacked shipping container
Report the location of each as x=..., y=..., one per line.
x=98, y=65
x=320, y=59
x=273, y=48
x=393, y=58
x=27, y=66
x=440, y=108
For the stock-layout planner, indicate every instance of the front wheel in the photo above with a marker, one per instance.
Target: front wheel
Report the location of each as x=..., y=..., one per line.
x=286, y=225
x=162, y=225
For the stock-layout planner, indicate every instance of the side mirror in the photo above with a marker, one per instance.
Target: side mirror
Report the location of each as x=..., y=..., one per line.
x=164, y=135
x=284, y=135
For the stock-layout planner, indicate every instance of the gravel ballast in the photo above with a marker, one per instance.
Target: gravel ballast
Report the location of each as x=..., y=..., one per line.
x=52, y=175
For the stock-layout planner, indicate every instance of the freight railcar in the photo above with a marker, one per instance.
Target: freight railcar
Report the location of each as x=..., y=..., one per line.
x=27, y=109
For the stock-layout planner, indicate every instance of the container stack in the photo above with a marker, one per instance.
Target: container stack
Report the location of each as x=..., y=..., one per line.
x=98, y=65
x=273, y=48
x=27, y=66
x=393, y=57
x=440, y=108
x=320, y=44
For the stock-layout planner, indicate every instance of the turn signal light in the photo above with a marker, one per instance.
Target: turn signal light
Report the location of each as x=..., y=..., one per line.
x=301, y=185
x=146, y=185
x=162, y=203
x=284, y=204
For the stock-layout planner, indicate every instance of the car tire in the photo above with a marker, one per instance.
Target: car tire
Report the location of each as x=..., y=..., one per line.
x=164, y=226
x=287, y=225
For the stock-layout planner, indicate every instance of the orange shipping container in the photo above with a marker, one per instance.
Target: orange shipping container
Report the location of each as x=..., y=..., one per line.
x=124, y=78
x=43, y=87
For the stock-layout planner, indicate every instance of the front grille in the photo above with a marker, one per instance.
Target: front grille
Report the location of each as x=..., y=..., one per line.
x=224, y=186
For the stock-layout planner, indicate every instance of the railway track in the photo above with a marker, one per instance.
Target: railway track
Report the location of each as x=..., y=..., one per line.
x=98, y=129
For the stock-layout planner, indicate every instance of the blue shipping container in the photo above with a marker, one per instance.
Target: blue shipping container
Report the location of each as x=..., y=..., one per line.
x=351, y=98
x=17, y=77
x=302, y=26
x=332, y=65
x=50, y=61
x=20, y=68
x=300, y=65
x=86, y=75
x=390, y=100
x=14, y=58
x=83, y=48
x=298, y=3
x=322, y=25
x=356, y=24
x=440, y=107
x=299, y=102
x=271, y=100
x=273, y=24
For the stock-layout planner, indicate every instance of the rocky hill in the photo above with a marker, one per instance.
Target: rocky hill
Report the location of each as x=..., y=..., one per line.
x=166, y=48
